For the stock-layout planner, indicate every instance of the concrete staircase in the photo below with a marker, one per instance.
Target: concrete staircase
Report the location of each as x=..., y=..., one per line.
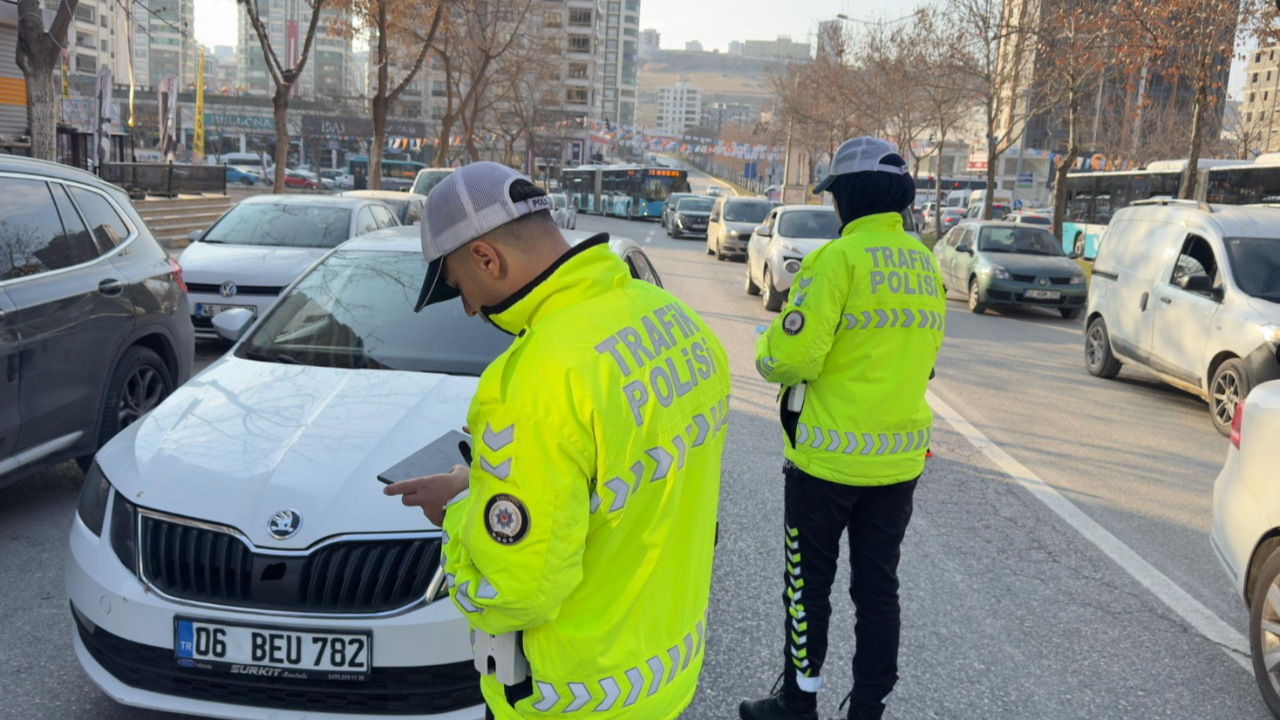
x=171, y=220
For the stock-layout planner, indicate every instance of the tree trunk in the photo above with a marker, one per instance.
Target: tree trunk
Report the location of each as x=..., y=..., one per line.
x=379, y=136
x=1063, y=167
x=993, y=157
x=446, y=129
x=279, y=110
x=937, y=188
x=42, y=103
x=1187, y=189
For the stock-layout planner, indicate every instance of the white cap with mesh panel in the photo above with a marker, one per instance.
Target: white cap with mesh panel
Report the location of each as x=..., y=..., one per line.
x=861, y=154
x=472, y=201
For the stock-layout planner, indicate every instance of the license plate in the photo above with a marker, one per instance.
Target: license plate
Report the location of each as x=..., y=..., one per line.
x=272, y=652
x=1043, y=294
x=206, y=310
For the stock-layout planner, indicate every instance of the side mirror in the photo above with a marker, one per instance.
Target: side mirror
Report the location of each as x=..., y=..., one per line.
x=404, y=189
x=232, y=324
x=195, y=235
x=1196, y=284
x=762, y=231
x=964, y=249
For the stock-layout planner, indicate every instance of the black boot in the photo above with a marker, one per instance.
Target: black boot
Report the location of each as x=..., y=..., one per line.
x=862, y=711
x=784, y=703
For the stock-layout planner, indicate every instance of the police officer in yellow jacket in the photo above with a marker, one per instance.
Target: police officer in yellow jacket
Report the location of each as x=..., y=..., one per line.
x=581, y=536
x=853, y=349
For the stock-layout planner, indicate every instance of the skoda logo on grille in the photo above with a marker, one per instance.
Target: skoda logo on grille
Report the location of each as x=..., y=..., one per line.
x=285, y=524
x=228, y=289
x=1043, y=281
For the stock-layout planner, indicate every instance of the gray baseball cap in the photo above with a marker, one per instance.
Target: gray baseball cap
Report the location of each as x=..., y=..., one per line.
x=861, y=154
x=472, y=201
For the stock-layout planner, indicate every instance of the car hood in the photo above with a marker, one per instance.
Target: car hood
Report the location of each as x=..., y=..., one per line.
x=244, y=440
x=1033, y=264
x=743, y=228
x=246, y=264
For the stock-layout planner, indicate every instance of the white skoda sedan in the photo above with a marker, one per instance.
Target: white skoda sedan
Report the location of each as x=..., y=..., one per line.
x=233, y=554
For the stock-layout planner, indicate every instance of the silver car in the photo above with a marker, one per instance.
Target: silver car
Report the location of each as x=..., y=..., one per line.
x=1189, y=293
x=565, y=214
x=779, y=245
x=731, y=223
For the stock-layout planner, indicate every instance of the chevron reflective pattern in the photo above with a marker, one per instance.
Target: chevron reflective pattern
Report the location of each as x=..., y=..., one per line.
x=895, y=318
x=658, y=462
x=765, y=366
x=862, y=443
x=625, y=688
x=795, y=606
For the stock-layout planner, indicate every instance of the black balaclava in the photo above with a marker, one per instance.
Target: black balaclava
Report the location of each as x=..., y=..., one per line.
x=867, y=193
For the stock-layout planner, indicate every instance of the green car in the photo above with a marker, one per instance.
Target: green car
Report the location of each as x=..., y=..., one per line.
x=1004, y=264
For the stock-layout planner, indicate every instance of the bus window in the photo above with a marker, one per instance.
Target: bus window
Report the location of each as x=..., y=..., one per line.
x=1079, y=206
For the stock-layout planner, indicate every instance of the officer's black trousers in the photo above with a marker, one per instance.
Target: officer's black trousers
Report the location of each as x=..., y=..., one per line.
x=817, y=513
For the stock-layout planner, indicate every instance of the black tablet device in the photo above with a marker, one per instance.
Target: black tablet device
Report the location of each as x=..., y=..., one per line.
x=437, y=458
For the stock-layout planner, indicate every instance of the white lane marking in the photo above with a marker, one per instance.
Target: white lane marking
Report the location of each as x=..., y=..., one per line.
x=1192, y=611
x=649, y=237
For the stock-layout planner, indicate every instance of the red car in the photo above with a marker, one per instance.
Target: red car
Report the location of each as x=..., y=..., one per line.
x=295, y=179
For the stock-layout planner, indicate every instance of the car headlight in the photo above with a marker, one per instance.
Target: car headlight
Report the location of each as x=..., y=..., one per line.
x=93, y=499
x=1077, y=278
x=1271, y=335
x=791, y=266
x=733, y=233
x=124, y=532
x=996, y=271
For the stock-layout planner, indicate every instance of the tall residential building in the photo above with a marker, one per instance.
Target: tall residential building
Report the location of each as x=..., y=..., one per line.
x=717, y=115
x=163, y=41
x=219, y=70
x=621, y=25
x=328, y=69
x=784, y=48
x=736, y=47
x=693, y=46
x=679, y=108
x=828, y=36
x=1261, y=101
x=95, y=39
x=650, y=41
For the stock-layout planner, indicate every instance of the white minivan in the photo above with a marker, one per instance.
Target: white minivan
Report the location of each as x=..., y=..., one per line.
x=1190, y=293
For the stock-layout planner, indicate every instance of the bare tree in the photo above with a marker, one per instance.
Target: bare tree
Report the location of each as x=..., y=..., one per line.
x=396, y=40
x=37, y=56
x=284, y=78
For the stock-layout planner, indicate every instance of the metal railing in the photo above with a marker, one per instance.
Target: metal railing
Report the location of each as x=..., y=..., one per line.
x=165, y=179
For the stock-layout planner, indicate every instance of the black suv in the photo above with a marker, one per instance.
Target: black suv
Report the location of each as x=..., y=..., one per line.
x=94, y=325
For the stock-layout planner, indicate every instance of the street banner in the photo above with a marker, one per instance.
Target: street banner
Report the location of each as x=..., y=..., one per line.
x=167, y=96
x=197, y=136
x=102, y=118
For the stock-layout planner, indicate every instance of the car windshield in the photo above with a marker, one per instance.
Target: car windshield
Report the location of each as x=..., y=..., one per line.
x=809, y=224
x=695, y=205
x=427, y=180
x=558, y=200
x=282, y=224
x=1019, y=241
x=355, y=311
x=1255, y=264
x=746, y=211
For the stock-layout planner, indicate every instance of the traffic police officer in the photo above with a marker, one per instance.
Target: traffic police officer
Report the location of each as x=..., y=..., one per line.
x=582, y=534
x=853, y=350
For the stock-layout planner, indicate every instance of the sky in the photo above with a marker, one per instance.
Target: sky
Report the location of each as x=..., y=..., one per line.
x=712, y=23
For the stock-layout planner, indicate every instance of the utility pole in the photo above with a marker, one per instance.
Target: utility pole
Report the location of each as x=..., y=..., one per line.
x=1022, y=142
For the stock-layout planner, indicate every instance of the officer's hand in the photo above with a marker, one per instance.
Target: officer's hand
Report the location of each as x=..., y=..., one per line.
x=431, y=492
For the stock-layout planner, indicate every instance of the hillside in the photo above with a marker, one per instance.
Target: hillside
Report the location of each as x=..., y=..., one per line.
x=722, y=78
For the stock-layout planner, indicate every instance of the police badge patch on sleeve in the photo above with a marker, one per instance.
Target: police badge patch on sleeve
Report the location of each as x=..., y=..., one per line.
x=793, y=323
x=506, y=519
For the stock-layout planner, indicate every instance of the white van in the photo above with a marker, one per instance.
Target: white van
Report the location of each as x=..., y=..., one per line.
x=977, y=197
x=250, y=159
x=1190, y=293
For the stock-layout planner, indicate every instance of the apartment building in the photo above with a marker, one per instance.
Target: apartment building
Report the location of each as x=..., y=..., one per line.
x=679, y=108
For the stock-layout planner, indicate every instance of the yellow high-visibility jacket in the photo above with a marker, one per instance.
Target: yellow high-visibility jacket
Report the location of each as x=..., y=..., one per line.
x=861, y=330
x=591, y=515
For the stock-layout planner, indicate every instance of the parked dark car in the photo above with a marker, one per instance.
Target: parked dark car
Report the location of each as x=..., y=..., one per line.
x=94, y=325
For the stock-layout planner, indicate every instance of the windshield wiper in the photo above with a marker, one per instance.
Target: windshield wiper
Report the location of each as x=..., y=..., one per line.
x=211, y=242
x=281, y=358
x=999, y=250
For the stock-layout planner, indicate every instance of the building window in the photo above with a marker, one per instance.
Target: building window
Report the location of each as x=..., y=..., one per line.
x=86, y=64
x=1251, y=97
x=580, y=17
x=1248, y=117
x=615, y=8
x=103, y=19
x=86, y=14
x=1258, y=58
x=609, y=93
x=611, y=57
x=576, y=95
x=552, y=19
x=1255, y=77
x=630, y=32
x=83, y=40
x=437, y=89
x=105, y=48
x=579, y=43
x=633, y=7
x=613, y=32
x=578, y=71
x=610, y=44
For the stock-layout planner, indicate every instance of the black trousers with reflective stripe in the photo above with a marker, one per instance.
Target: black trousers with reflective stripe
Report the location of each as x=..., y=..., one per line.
x=876, y=518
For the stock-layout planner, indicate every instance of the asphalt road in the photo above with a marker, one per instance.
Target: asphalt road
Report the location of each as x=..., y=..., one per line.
x=1010, y=611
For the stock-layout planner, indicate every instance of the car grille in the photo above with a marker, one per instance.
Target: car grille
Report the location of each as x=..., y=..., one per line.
x=202, y=323
x=364, y=576
x=240, y=289
x=1022, y=278
x=1060, y=280
x=422, y=690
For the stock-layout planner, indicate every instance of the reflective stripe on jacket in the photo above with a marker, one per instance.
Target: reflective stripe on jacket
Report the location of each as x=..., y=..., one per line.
x=591, y=517
x=861, y=329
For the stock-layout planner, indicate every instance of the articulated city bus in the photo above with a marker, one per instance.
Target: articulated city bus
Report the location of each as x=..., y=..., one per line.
x=1093, y=197
x=630, y=191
